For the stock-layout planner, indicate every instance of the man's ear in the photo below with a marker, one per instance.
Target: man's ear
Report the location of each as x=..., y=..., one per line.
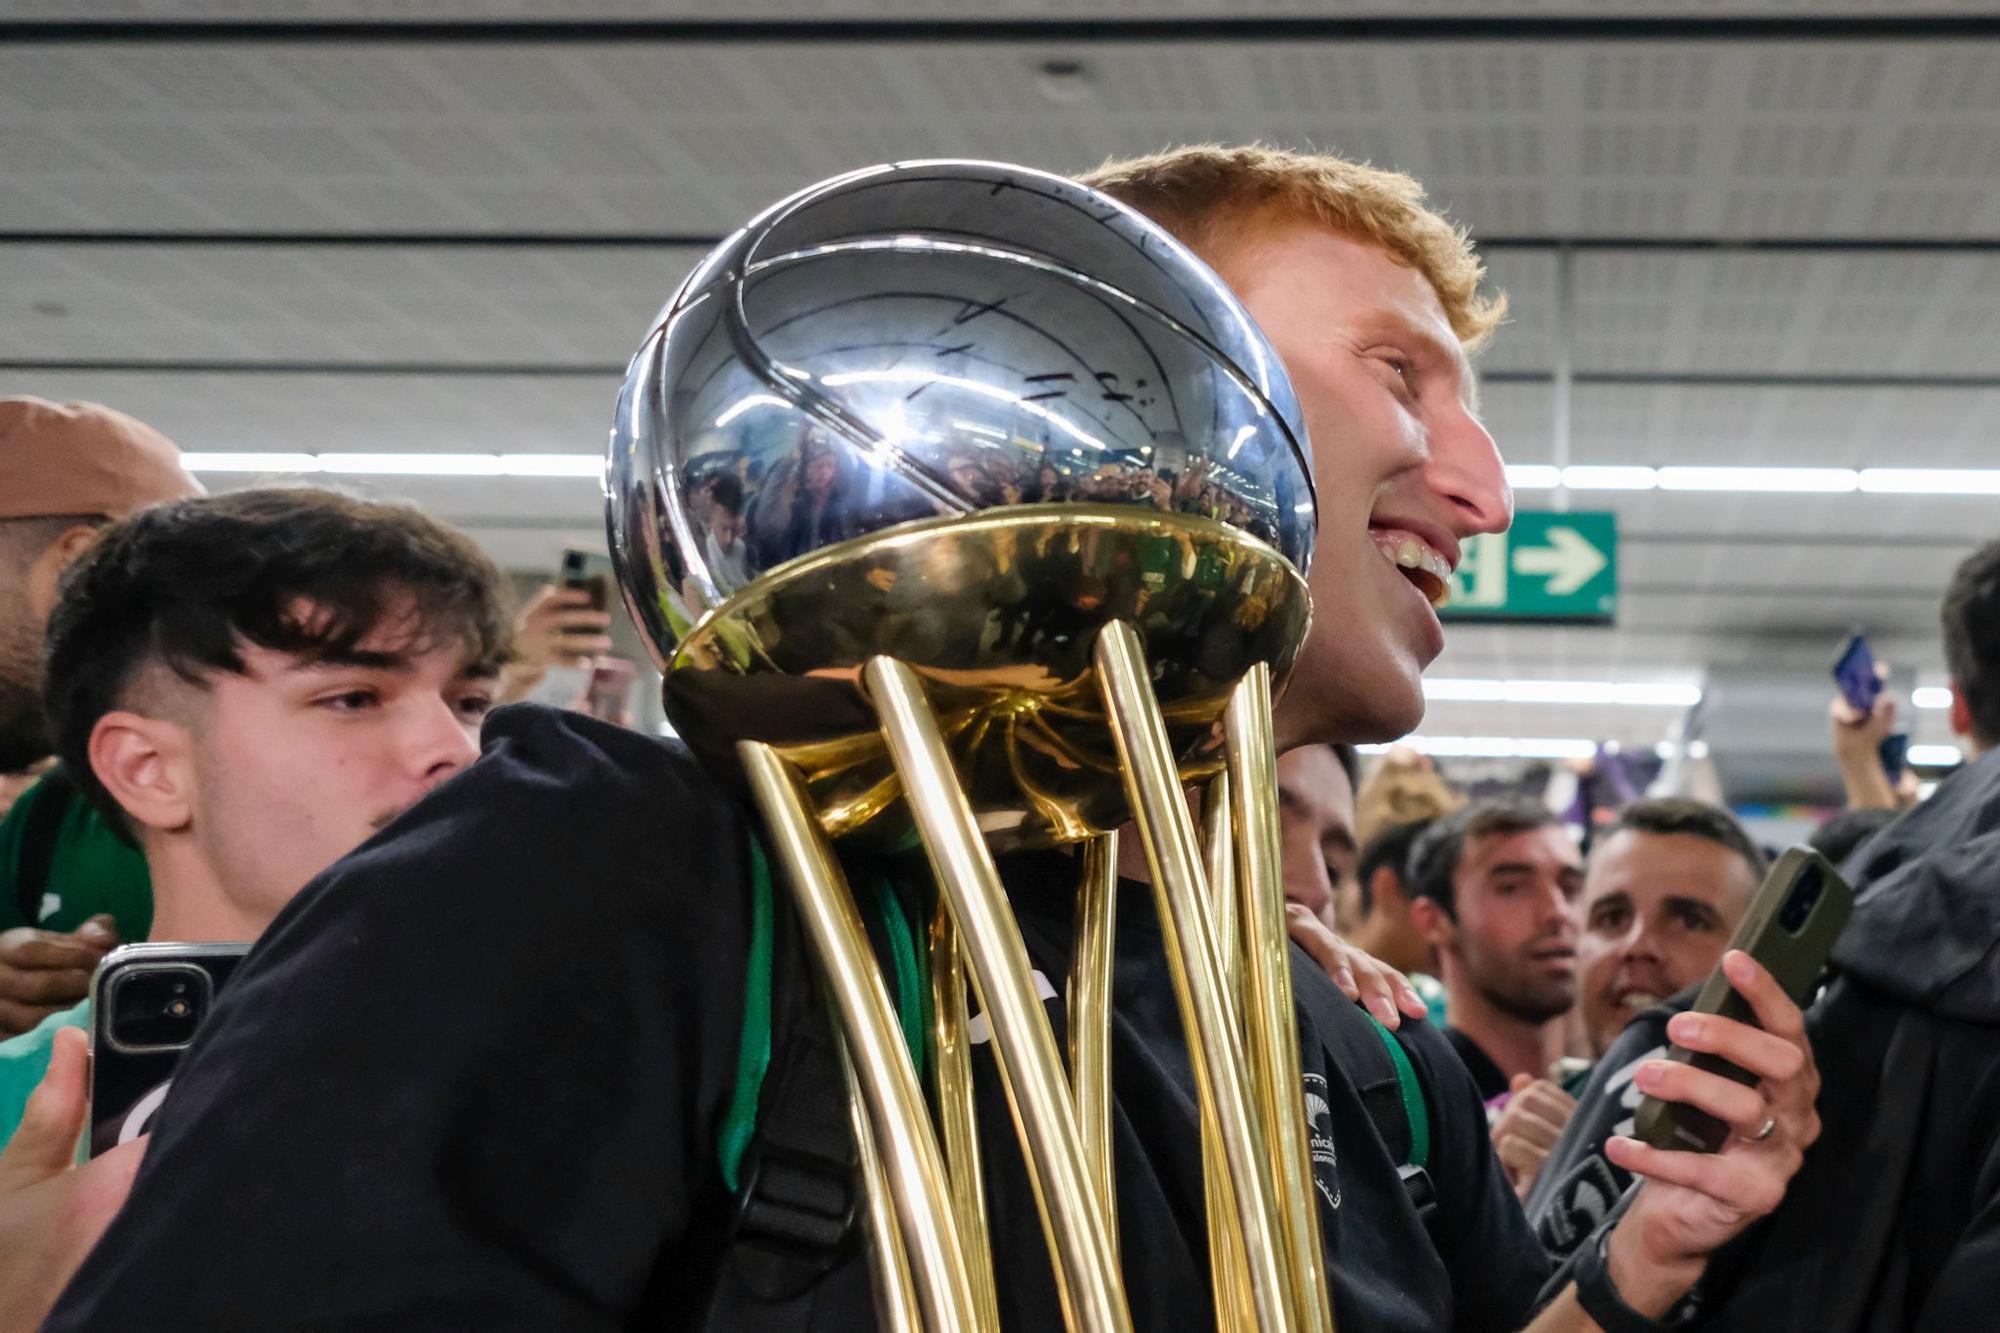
x=1432, y=922
x=49, y=565
x=1961, y=716
x=1385, y=889
x=146, y=765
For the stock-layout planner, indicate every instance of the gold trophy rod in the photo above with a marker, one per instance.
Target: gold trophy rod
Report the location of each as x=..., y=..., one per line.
x=910, y=1162
x=1073, y=1216
x=1216, y=1050
x=1272, y=1031
x=1090, y=1011
x=958, y=1114
x=895, y=1292
x=1228, y=1269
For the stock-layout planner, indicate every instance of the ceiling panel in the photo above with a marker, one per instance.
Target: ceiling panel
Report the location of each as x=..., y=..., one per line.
x=1788, y=138
x=282, y=11
x=1720, y=425
x=190, y=303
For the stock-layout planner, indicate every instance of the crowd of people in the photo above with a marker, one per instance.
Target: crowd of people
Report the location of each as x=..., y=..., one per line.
x=502, y=1054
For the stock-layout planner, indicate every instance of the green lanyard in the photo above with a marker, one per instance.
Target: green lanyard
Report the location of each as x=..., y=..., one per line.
x=753, y=1051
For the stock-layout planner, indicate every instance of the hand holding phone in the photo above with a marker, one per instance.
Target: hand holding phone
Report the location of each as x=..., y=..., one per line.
x=1857, y=674
x=1790, y=930
x=589, y=573
x=147, y=1001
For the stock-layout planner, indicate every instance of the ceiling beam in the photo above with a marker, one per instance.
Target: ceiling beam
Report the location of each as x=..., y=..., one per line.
x=597, y=370
x=1178, y=31
x=388, y=240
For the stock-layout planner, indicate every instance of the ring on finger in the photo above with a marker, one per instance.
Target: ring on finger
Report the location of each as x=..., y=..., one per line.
x=1763, y=1130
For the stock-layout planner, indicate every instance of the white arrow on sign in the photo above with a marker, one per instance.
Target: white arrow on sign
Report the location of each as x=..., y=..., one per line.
x=1568, y=560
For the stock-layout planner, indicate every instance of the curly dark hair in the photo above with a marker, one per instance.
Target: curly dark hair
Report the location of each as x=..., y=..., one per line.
x=185, y=585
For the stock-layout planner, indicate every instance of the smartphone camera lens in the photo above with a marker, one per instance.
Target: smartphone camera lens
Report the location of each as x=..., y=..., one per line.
x=160, y=1007
x=1799, y=903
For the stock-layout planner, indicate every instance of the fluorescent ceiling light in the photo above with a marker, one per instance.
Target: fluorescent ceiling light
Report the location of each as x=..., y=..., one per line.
x=1757, y=480
x=744, y=404
x=1931, y=696
x=1931, y=480
x=1586, y=477
x=1934, y=756
x=1793, y=480
x=402, y=465
x=250, y=462
x=1534, y=476
x=552, y=465
x=1496, y=747
x=1632, y=693
x=394, y=465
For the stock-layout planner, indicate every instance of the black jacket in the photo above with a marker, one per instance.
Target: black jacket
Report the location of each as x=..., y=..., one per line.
x=1578, y=1185
x=474, y=1076
x=1893, y=1223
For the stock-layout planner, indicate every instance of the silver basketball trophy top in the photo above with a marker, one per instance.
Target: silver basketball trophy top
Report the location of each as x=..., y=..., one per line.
x=939, y=410
x=958, y=500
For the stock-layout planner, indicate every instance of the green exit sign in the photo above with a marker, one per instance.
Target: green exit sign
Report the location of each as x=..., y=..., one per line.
x=1548, y=566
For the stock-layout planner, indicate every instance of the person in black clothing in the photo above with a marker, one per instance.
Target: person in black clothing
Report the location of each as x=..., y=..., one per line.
x=1895, y=1221
x=1840, y=835
x=512, y=1023
x=1493, y=886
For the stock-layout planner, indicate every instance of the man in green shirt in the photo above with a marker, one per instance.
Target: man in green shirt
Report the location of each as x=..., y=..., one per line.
x=70, y=888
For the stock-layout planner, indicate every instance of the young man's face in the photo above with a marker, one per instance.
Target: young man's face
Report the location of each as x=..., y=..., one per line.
x=1514, y=939
x=1403, y=468
x=297, y=763
x=1316, y=823
x=1657, y=912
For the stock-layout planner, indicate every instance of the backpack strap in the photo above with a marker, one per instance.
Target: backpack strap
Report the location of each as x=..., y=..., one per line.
x=1395, y=1101
x=1416, y=1112
x=41, y=829
x=786, y=1147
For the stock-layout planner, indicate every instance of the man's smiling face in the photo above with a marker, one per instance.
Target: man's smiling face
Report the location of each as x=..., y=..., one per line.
x=1403, y=468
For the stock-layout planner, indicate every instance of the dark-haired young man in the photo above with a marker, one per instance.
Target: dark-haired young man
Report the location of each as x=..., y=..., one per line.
x=250, y=686
x=1494, y=883
x=1316, y=786
x=1316, y=817
x=550, y=1154
x=1666, y=885
x=1382, y=923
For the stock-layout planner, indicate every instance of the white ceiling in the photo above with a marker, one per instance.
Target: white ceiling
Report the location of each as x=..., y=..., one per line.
x=341, y=295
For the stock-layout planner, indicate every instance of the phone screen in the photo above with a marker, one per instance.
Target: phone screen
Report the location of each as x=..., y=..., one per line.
x=1854, y=673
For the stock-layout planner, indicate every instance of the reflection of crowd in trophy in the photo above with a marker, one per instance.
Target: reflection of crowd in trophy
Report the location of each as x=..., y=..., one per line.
x=751, y=516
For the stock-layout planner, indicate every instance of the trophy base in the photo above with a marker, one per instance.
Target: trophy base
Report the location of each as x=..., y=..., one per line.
x=999, y=613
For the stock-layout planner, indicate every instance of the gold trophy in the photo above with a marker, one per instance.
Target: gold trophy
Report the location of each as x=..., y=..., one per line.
x=961, y=503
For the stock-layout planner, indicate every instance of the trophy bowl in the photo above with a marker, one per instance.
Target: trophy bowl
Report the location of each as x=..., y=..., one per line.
x=961, y=414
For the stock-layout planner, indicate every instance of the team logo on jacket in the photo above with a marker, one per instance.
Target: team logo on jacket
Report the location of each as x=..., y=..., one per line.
x=1319, y=1127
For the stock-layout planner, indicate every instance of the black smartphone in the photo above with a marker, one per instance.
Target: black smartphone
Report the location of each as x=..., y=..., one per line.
x=588, y=572
x=1790, y=928
x=146, y=1003
x=1854, y=672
